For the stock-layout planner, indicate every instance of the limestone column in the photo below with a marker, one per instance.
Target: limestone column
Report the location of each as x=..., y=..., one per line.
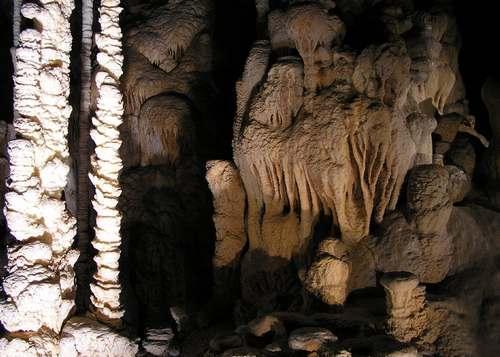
x=106, y=165
x=40, y=281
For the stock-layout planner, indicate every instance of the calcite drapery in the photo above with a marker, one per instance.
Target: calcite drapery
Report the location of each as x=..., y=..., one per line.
x=40, y=284
x=325, y=135
x=106, y=165
x=322, y=134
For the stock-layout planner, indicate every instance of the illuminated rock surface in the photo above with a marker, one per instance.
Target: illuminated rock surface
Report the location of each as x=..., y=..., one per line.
x=40, y=279
x=106, y=166
x=271, y=178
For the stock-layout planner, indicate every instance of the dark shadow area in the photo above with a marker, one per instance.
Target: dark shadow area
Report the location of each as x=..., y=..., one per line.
x=167, y=244
x=234, y=33
x=6, y=83
x=479, y=58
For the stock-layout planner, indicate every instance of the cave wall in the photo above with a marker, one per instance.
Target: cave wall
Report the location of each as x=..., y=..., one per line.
x=315, y=176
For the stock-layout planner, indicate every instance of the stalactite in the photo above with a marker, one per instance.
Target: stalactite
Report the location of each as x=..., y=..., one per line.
x=174, y=27
x=40, y=285
x=106, y=165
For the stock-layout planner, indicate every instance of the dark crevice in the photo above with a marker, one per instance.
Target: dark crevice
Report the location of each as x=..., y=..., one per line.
x=234, y=34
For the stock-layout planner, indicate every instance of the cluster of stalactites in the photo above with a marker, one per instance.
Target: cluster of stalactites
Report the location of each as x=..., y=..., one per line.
x=106, y=165
x=40, y=283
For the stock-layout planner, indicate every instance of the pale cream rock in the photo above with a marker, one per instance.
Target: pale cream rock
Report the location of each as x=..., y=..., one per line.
x=35, y=346
x=83, y=337
x=106, y=165
x=254, y=71
x=40, y=281
x=282, y=95
x=30, y=252
x=421, y=127
x=308, y=28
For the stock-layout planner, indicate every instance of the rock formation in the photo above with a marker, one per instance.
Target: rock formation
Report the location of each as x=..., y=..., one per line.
x=107, y=165
x=352, y=211
x=345, y=158
x=40, y=281
x=357, y=103
x=85, y=337
x=405, y=306
x=229, y=209
x=165, y=201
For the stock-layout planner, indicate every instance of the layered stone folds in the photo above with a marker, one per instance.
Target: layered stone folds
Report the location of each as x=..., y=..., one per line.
x=106, y=165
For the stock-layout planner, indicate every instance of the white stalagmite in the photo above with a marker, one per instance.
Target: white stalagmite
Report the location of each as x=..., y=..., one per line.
x=106, y=165
x=40, y=281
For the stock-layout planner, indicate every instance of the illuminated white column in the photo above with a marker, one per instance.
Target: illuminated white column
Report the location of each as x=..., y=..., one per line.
x=40, y=281
x=106, y=165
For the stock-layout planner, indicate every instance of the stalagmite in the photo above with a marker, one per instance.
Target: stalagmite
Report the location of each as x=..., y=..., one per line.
x=405, y=305
x=328, y=278
x=40, y=283
x=229, y=219
x=106, y=166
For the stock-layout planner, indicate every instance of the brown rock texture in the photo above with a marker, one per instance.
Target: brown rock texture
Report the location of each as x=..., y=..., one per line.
x=271, y=178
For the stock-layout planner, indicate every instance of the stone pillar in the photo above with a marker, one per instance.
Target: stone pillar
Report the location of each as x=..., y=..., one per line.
x=83, y=335
x=106, y=166
x=405, y=305
x=40, y=281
